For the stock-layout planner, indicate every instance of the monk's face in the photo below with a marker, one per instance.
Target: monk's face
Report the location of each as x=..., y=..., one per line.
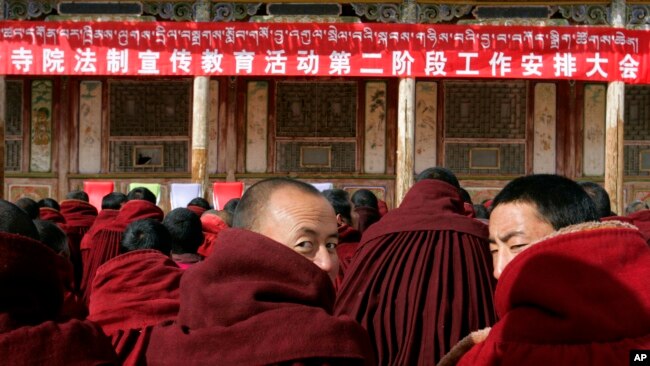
x=304, y=223
x=513, y=228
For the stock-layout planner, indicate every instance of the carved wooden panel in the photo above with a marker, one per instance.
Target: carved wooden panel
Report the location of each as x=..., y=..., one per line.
x=14, y=108
x=512, y=158
x=316, y=109
x=13, y=155
x=478, y=109
x=637, y=112
x=289, y=158
x=150, y=108
x=635, y=161
x=175, y=157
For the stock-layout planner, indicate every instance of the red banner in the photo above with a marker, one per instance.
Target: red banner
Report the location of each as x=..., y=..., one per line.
x=312, y=49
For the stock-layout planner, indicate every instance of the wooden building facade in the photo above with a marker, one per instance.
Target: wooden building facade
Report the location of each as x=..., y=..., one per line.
x=61, y=131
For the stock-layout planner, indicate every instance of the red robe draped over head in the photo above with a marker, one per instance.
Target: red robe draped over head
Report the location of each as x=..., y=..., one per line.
x=198, y=210
x=253, y=302
x=79, y=216
x=50, y=214
x=31, y=294
x=422, y=277
x=105, y=242
x=131, y=293
x=581, y=296
x=212, y=226
x=366, y=217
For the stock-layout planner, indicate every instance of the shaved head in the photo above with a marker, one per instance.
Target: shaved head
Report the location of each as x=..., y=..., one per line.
x=254, y=202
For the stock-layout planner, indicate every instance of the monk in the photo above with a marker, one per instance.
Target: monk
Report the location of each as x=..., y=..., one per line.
x=29, y=206
x=50, y=210
x=105, y=242
x=184, y=227
x=365, y=209
x=198, y=205
x=571, y=290
x=56, y=239
x=265, y=295
x=421, y=279
x=212, y=223
x=31, y=297
x=349, y=237
x=136, y=290
x=79, y=216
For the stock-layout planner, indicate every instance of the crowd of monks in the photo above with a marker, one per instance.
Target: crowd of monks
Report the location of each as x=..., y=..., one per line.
x=543, y=274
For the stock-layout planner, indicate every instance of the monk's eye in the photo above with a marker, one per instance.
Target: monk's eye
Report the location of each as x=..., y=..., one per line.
x=518, y=248
x=304, y=246
x=331, y=246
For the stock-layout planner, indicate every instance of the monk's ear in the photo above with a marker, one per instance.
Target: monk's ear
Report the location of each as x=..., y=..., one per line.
x=339, y=219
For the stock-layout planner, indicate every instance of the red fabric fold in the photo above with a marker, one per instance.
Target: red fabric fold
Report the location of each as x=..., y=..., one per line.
x=50, y=214
x=421, y=279
x=78, y=213
x=572, y=299
x=32, y=279
x=197, y=210
x=212, y=225
x=105, y=242
x=74, y=342
x=131, y=293
x=255, y=301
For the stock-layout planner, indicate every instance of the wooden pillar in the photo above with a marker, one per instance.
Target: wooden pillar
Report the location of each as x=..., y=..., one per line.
x=614, y=142
x=200, y=103
x=63, y=136
x=405, y=163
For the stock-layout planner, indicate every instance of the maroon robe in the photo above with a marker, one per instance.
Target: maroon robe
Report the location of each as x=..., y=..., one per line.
x=79, y=216
x=582, y=296
x=212, y=225
x=31, y=294
x=50, y=214
x=198, y=210
x=253, y=302
x=383, y=207
x=366, y=217
x=131, y=293
x=422, y=277
x=349, y=239
x=641, y=219
x=105, y=242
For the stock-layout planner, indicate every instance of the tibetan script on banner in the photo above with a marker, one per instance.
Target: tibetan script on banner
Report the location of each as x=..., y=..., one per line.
x=374, y=50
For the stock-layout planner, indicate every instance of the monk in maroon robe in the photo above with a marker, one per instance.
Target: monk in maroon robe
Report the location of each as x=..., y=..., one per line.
x=265, y=299
x=79, y=216
x=349, y=237
x=51, y=214
x=31, y=297
x=105, y=242
x=136, y=290
x=365, y=209
x=422, y=277
x=212, y=224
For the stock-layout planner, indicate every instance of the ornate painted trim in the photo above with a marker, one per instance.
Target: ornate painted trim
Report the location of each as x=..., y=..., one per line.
x=28, y=9
x=384, y=13
x=170, y=11
x=430, y=13
x=586, y=14
x=227, y=12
